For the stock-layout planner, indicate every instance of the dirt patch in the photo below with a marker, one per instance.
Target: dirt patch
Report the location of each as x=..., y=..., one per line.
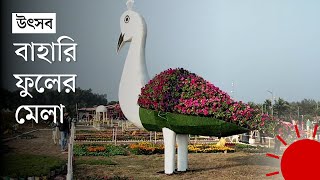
x=41, y=144
x=229, y=166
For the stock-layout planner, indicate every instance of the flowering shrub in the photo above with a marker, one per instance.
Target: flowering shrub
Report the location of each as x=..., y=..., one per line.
x=146, y=148
x=230, y=144
x=96, y=148
x=285, y=130
x=179, y=91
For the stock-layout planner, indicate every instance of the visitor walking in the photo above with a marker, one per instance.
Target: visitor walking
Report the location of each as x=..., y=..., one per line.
x=64, y=131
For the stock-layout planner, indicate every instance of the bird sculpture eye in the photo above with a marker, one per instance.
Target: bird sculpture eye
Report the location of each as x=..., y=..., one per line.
x=126, y=19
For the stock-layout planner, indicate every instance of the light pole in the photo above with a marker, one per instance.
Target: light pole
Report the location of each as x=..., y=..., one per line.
x=272, y=98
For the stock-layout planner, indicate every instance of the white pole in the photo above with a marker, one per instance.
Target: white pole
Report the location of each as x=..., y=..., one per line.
x=69, y=175
x=115, y=136
x=150, y=134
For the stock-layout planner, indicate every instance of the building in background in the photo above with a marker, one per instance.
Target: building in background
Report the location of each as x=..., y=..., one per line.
x=113, y=112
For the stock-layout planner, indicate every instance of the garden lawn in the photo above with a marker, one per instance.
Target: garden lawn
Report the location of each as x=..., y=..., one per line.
x=25, y=165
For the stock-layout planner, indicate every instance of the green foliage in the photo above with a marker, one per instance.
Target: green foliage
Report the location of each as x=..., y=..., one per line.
x=252, y=149
x=110, y=150
x=308, y=116
x=281, y=107
x=24, y=165
x=113, y=102
x=188, y=124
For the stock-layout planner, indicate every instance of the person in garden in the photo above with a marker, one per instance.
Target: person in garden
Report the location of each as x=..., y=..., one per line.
x=55, y=129
x=64, y=131
x=277, y=131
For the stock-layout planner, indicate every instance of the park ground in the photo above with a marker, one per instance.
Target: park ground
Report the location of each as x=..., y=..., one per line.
x=220, y=166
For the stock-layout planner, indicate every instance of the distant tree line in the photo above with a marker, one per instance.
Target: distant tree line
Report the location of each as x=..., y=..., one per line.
x=280, y=108
x=83, y=98
x=287, y=111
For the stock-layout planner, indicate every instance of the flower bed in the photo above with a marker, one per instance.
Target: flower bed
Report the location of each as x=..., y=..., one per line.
x=178, y=91
x=86, y=135
x=209, y=148
x=93, y=137
x=99, y=150
x=146, y=148
x=230, y=144
x=143, y=148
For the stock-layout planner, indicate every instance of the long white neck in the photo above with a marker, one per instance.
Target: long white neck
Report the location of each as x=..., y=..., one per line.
x=134, y=77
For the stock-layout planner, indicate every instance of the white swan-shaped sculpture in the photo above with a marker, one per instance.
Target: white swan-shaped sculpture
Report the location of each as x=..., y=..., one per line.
x=134, y=77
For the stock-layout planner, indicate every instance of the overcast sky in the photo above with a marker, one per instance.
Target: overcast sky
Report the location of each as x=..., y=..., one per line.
x=259, y=45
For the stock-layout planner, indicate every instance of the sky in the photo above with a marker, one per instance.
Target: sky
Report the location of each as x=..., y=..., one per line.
x=258, y=45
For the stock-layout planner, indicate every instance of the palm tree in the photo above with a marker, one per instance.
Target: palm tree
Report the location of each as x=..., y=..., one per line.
x=281, y=107
x=267, y=105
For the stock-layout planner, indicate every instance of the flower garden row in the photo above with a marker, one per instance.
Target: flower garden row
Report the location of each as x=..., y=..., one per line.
x=144, y=148
x=88, y=135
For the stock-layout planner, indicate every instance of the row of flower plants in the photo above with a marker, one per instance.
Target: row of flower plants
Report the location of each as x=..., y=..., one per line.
x=143, y=148
x=183, y=92
x=88, y=135
x=109, y=138
x=99, y=150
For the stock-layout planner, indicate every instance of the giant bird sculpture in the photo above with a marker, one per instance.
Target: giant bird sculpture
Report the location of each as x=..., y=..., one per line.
x=135, y=77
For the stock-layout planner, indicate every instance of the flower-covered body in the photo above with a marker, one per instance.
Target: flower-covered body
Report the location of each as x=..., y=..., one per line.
x=179, y=91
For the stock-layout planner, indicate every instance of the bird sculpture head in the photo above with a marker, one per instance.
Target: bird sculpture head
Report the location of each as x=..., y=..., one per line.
x=132, y=26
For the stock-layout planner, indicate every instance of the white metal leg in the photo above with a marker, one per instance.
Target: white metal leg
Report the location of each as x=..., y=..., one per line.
x=169, y=138
x=182, y=142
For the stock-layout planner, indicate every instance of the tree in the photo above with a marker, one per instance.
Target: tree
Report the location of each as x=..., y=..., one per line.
x=113, y=102
x=308, y=107
x=267, y=106
x=281, y=107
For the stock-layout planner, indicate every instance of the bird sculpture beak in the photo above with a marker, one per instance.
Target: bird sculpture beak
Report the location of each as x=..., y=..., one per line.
x=120, y=42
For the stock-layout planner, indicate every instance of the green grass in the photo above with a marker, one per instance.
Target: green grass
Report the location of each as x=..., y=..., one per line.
x=252, y=149
x=95, y=162
x=24, y=165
